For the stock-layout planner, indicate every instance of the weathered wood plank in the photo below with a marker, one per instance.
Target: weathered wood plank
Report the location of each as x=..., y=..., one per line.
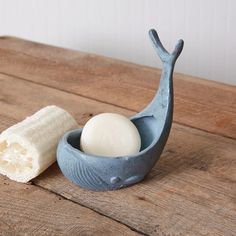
x=30, y=210
x=191, y=190
x=198, y=103
x=19, y=98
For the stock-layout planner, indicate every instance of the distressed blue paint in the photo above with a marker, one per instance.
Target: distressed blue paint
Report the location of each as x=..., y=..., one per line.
x=154, y=123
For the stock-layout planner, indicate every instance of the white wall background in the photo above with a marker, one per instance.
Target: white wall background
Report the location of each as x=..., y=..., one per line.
x=118, y=28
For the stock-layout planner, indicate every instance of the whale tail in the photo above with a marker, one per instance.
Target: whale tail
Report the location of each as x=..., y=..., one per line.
x=164, y=55
x=161, y=105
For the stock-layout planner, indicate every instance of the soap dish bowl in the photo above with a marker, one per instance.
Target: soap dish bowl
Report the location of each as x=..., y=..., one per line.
x=101, y=173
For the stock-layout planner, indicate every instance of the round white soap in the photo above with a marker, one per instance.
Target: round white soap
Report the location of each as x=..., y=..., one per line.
x=110, y=134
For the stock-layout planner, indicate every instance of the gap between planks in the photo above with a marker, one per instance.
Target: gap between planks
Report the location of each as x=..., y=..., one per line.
x=46, y=213
x=65, y=91
x=92, y=209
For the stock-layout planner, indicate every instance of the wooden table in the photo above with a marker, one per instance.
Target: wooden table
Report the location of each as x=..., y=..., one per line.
x=191, y=190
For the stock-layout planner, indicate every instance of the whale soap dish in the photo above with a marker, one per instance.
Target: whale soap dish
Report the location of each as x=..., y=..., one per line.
x=101, y=173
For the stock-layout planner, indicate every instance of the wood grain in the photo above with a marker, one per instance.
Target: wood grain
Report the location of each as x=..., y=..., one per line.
x=19, y=99
x=198, y=103
x=191, y=190
x=29, y=210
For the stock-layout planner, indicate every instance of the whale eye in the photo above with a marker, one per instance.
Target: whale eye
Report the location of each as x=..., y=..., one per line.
x=115, y=180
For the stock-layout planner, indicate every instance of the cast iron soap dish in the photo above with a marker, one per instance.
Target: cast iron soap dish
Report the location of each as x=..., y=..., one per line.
x=153, y=123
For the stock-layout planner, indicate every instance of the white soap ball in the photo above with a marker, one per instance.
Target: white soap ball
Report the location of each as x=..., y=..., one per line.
x=110, y=134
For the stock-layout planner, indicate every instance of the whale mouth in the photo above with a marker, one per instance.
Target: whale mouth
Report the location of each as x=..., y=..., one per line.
x=147, y=128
